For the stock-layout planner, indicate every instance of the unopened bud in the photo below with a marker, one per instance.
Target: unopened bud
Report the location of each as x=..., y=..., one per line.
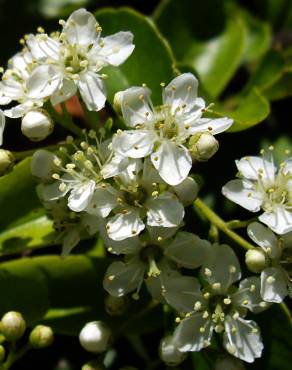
x=203, y=146
x=95, y=337
x=6, y=161
x=2, y=353
x=256, y=260
x=13, y=326
x=117, y=102
x=37, y=125
x=116, y=306
x=41, y=336
x=169, y=353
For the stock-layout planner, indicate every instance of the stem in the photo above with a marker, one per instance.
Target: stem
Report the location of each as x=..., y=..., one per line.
x=27, y=153
x=14, y=356
x=238, y=224
x=286, y=311
x=64, y=119
x=221, y=224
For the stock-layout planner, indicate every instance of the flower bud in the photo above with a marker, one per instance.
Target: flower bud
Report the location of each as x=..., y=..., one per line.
x=116, y=306
x=41, y=336
x=2, y=353
x=92, y=366
x=6, y=161
x=95, y=337
x=256, y=260
x=117, y=102
x=203, y=146
x=169, y=353
x=37, y=125
x=13, y=326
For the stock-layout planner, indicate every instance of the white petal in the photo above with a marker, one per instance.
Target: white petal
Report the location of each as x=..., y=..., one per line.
x=222, y=266
x=134, y=143
x=181, y=91
x=43, y=81
x=182, y=293
x=164, y=210
x=64, y=93
x=113, y=168
x=157, y=232
x=273, y=284
x=19, y=110
x=173, y=162
x=92, y=90
x=90, y=223
x=122, y=278
x=187, y=191
x=80, y=28
x=43, y=47
x=188, y=250
x=42, y=164
x=248, y=295
x=2, y=126
x=70, y=240
x=249, y=168
x=50, y=192
x=136, y=105
x=189, y=335
x=245, y=342
x=125, y=225
x=287, y=168
x=280, y=220
x=81, y=195
x=117, y=48
x=265, y=238
x=150, y=175
x=130, y=174
x=242, y=193
x=103, y=201
x=214, y=126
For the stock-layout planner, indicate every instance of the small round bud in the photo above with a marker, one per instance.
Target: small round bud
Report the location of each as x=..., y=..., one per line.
x=2, y=353
x=13, y=326
x=41, y=336
x=256, y=260
x=95, y=337
x=37, y=125
x=117, y=102
x=116, y=306
x=6, y=161
x=203, y=146
x=169, y=353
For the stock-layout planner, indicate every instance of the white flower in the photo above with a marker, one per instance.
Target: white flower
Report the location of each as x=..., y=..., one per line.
x=262, y=187
x=2, y=126
x=163, y=132
x=95, y=337
x=74, y=60
x=277, y=274
x=154, y=256
x=219, y=307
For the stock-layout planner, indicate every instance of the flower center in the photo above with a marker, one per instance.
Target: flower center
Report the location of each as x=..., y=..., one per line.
x=151, y=255
x=74, y=59
x=166, y=125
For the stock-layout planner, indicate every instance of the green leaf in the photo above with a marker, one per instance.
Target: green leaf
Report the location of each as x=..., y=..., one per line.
x=35, y=233
x=250, y=110
x=17, y=194
x=152, y=60
x=281, y=89
x=214, y=56
x=282, y=148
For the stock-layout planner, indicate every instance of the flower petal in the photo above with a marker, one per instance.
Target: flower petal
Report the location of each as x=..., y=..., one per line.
x=103, y=201
x=70, y=240
x=187, y=191
x=123, y=278
x=42, y=164
x=222, y=266
x=160, y=234
x=2, y=126
x=50, y=192
x=173, y=162
x=80, y=28
x=273, y=284
x=214, y=126
x=92, y=90
x=136, y=105
x=242, y=193
x=43, y=81
x=164, y=210
x=125, y=225
x=134, y=143
x=279, y=220
x=181, y=93
x=67, y=90
x=81, y=195
x=188, y=250
x=245, y=341
x=193, y=333
x=250, y=168
x=43, y=47
x=265, y=238
x=117, y=48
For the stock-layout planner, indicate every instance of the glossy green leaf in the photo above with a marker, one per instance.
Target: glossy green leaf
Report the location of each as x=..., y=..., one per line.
x=214, y=56
x=250, y=110
x=17, y=194
x=151, y=61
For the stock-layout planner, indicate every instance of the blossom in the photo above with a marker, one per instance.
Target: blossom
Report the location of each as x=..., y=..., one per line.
x=2, y=126
x=74, y=59
x=220, y=306
x=276, y=275
x=153, y=256
x=163, y=132
x=261, y=186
